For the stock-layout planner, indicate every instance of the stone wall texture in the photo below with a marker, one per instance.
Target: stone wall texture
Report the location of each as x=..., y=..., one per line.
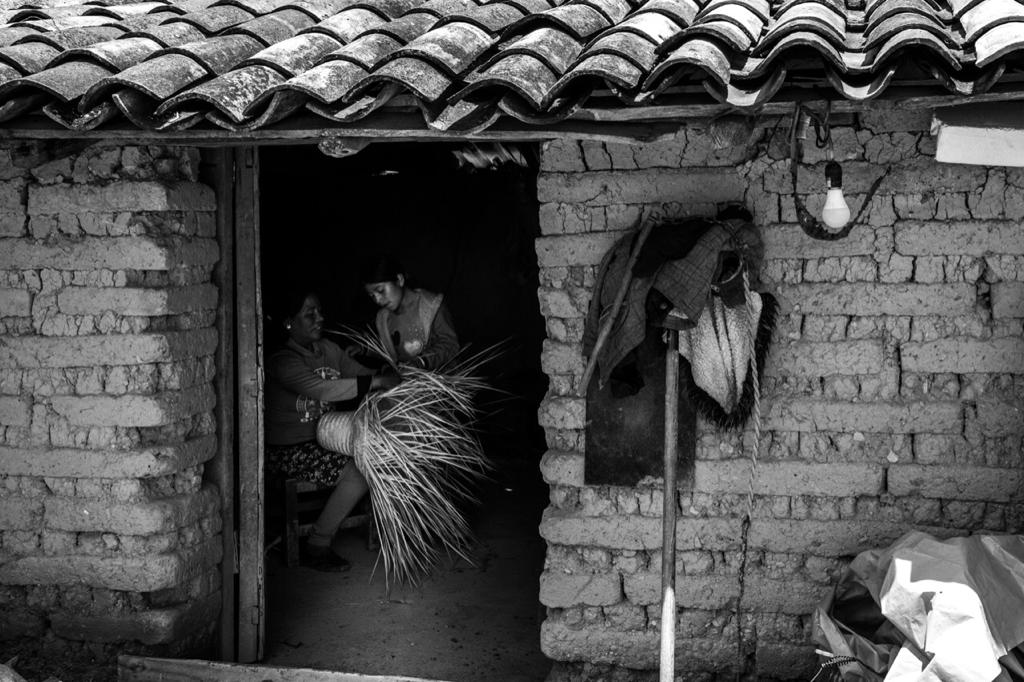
x=109, y=537
x=892, y=396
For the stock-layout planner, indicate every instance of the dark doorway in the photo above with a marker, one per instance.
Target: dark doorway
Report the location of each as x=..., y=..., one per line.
x=469, y=234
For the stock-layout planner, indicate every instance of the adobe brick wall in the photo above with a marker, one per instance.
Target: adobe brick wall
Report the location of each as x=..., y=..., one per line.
x=892, y=398
x=109, y=537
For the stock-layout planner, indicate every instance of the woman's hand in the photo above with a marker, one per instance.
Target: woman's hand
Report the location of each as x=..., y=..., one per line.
x=383, y=382
x=415, y=363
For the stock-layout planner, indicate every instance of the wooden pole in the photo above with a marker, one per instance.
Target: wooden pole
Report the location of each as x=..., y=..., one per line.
x=668, y=518
x=613, y=311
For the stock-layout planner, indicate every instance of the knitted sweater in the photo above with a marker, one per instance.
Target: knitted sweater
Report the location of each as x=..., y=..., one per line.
x=302, y=384
x=421, y=333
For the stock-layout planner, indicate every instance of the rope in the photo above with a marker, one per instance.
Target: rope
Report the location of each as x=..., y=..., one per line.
x=745, y=528
x=756, y=384
x=833, y=664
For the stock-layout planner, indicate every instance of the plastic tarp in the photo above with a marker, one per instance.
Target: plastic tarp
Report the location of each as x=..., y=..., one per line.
x=925, y=610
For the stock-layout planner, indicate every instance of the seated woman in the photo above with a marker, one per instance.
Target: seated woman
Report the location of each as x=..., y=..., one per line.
x=309, y=376
x=413, y=324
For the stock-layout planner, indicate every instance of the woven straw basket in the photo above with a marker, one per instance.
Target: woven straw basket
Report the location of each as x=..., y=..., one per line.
x=339, y=432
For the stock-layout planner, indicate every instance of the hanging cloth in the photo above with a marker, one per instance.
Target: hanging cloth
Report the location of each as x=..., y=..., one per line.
x=678, y=260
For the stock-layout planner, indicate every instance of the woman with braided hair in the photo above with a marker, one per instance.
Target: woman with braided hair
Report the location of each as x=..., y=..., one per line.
x=414, y=325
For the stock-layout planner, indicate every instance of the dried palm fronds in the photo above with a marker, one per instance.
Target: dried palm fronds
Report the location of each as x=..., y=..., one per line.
x=415, y=444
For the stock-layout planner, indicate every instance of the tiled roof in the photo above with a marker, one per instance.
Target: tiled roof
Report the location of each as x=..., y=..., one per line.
x=244, y=64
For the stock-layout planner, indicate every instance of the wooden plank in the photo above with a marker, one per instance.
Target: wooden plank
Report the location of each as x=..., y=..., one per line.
x=144, y=669
x=249, y=341
x=382, y=127
x=682, y=108
x=923, y=101
x=625, y=434
x=222, y=467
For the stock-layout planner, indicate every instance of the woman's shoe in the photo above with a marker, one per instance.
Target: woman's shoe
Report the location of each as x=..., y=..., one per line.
x=321, y=558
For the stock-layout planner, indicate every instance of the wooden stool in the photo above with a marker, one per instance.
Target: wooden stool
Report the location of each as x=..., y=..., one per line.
x=304, y=496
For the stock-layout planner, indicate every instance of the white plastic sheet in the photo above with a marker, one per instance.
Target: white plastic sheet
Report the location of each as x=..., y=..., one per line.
x=944, y=611
x=959, y=603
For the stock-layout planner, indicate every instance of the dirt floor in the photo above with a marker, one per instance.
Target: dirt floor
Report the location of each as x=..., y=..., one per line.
x=466, y=623
x=478, y=623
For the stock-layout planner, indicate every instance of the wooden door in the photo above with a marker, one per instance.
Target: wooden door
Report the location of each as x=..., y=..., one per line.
x=249, y=422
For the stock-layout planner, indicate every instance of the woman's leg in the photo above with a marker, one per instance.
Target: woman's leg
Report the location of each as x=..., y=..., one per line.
x=349, y=490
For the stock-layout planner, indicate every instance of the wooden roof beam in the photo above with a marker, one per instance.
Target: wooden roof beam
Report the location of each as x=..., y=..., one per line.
x=600, y=123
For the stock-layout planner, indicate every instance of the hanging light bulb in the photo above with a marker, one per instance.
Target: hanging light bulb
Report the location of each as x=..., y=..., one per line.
x=836, y=213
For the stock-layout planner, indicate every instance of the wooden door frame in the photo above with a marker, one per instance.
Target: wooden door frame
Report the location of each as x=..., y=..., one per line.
x=249, y=364
x=222, y=467
x=238, y=468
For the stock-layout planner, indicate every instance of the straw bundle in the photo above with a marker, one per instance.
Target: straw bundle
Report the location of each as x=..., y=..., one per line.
x=416, y=447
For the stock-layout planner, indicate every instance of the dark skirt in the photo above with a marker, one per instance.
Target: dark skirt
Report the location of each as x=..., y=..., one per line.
x=306, y=462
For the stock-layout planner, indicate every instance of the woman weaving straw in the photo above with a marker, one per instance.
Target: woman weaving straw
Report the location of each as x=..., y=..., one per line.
x=415, y=444
x=306, y=378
